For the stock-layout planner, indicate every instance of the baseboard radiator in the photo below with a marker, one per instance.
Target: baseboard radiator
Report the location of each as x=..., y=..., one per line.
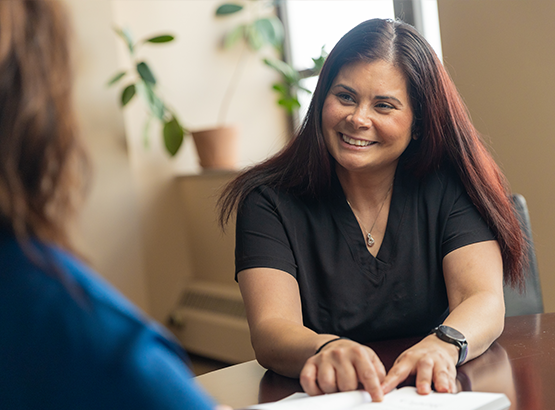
x=210, y=321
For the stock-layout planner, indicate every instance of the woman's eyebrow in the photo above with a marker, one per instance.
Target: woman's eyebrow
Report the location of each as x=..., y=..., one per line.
x=388, y=97
x=377, y=97
x=346, y=87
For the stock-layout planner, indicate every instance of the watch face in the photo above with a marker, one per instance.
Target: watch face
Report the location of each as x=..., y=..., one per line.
x=451, y=333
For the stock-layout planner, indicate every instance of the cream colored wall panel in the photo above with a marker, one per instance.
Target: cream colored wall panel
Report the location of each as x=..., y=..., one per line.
x=501, y=56
x=109, y=229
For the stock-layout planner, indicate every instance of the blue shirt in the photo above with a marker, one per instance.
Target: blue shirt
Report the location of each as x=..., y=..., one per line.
x=68, y=340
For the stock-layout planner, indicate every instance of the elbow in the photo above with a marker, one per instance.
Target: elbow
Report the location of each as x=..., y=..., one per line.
x=262, y=358
x=263, y=354
x=498, y=330
x=500, y=322
x=268, y=356
x=500, y=318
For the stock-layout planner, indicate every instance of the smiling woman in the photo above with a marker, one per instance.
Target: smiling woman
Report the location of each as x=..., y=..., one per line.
x=380, y=150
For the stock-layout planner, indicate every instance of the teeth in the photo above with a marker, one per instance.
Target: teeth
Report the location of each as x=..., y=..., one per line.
x=352, y=141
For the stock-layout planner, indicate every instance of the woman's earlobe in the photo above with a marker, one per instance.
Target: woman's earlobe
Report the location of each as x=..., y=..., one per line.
x=416, y=132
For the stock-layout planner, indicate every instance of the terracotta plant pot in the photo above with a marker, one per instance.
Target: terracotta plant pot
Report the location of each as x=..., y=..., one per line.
x=217, y=148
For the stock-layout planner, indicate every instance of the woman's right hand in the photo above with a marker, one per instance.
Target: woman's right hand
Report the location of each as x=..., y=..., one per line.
x=343, y=365
x=283, y=344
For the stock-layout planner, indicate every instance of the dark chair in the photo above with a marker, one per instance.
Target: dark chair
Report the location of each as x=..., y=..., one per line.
x=530, y=301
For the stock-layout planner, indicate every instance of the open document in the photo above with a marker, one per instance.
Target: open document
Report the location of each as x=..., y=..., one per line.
x=405, y=398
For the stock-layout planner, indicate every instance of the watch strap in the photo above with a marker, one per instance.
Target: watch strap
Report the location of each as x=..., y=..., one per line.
x=461, y=343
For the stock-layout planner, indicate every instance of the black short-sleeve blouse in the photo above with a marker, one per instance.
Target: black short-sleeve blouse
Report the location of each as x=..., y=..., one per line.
x=344, y=289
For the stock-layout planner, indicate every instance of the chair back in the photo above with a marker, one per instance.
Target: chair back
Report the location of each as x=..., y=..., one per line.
x=530, y=301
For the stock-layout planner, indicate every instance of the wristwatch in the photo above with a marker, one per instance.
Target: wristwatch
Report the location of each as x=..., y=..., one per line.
x=450, y=335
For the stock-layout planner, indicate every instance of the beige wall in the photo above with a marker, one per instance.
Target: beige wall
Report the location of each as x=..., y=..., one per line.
x=212, y=251
x=136, y=228
x=501, y=56
x=109, y=226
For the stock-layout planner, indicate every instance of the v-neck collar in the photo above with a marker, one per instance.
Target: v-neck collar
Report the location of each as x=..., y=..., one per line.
x=372, y=266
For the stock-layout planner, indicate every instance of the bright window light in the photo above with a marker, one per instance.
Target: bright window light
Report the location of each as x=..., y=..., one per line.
x=314, y=24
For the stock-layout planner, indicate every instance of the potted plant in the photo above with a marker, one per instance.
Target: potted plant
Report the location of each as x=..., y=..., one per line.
x=213, y=153
x=141, y=80
x=290, y=81
x=265, y=29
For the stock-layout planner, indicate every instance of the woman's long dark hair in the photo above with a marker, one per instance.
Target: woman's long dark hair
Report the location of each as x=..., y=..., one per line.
x=445, y=135
x=43, y=165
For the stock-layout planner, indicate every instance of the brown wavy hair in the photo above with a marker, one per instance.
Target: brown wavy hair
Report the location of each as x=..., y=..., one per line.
x=43, y=166
x=446, y=137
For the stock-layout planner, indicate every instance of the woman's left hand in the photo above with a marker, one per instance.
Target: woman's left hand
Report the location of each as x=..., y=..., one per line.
x=474, y=280
x=432, y=360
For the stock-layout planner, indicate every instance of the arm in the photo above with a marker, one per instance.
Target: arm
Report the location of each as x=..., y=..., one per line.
x=474, y=280
x=283, y=344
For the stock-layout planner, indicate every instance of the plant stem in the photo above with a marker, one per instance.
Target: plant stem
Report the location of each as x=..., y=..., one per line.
x=239, y=68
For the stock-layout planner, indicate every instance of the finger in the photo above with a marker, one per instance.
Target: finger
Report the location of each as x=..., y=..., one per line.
x=345, y=373
x=454, y=386
x=399, y=372
x=424, y=373
x=368, y=377
x=327, y=378
x=379, y=367
x=444, y=381
x=308, y=381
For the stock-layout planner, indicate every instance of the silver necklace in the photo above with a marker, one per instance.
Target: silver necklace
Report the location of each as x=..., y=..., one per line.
x=369, y=238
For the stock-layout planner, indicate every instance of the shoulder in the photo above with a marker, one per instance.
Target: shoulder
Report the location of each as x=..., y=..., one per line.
x=88, y=324
x=274, y=199
x=60, y=288
x=104, y=307
x=439, y=185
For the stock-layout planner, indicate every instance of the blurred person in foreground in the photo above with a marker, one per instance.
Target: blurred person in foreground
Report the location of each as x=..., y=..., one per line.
x=68, y=340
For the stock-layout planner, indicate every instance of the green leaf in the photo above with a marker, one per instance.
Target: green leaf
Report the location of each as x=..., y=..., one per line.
x=125, y=34
x=173, y=135
x=155, y=104
x=228, y=8
x=270, y=30
x=319, y=61
x=146, y=74
x=164, y=38
x=127, y=94
x=280, y=88
x=288, y=73
x=116, y=78
x=233, y=36
x=289, y=104
x=254, y=38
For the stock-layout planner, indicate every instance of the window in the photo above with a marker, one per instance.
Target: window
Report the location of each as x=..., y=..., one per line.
x=313, y=24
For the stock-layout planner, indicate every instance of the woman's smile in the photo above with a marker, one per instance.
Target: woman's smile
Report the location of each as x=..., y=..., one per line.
x=355, y=141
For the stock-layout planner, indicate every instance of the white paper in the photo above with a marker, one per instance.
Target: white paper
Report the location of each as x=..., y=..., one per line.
x=334, y=401
x=405, y=398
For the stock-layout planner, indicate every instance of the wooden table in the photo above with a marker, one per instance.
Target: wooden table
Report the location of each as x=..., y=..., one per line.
x=521, y=364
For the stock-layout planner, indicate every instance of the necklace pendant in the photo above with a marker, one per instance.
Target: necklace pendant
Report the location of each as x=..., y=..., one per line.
x=370, y=240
